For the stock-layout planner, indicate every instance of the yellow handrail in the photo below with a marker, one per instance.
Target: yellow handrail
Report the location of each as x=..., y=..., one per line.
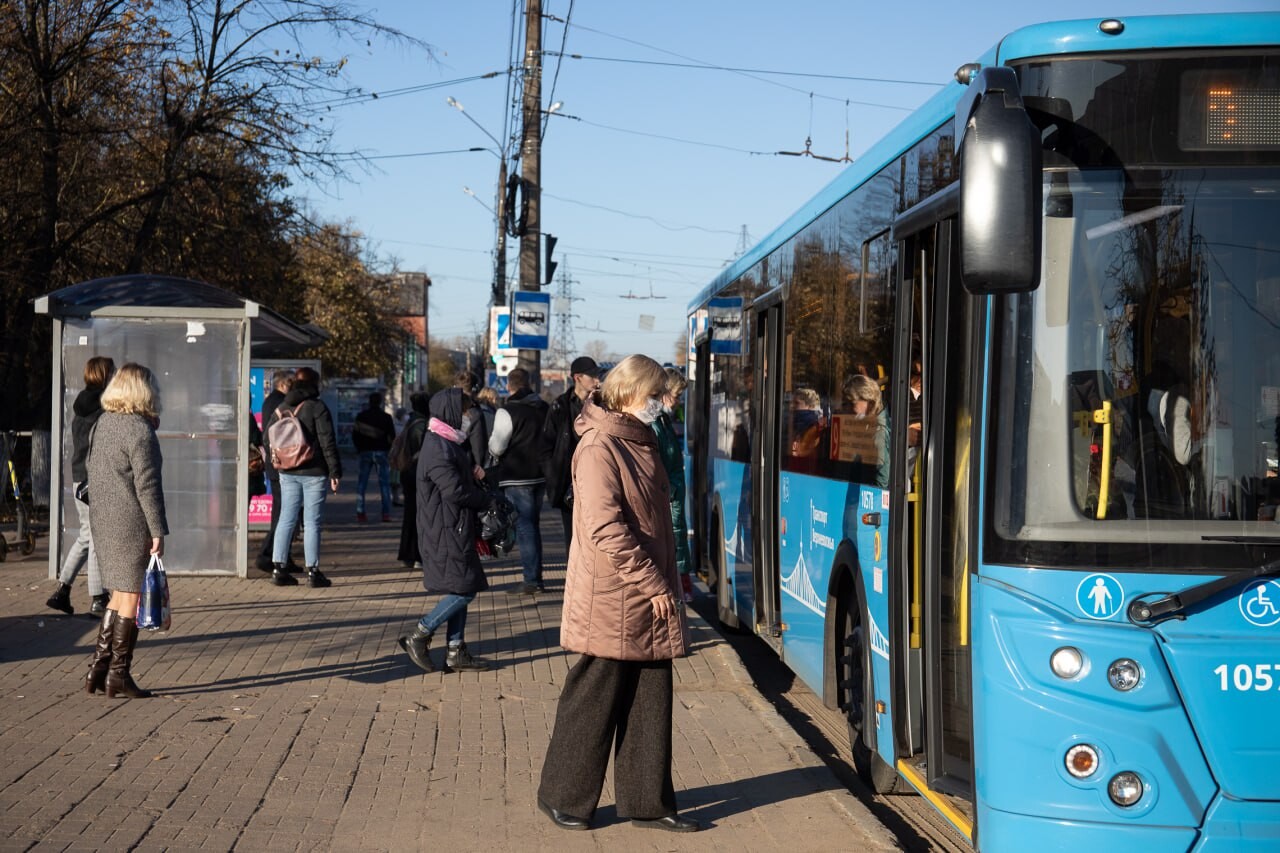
x=1103, y=416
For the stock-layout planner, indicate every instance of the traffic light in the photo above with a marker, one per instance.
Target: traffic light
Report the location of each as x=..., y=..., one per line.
x=548, y=265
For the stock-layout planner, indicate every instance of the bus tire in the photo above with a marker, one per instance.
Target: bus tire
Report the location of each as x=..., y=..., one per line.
x=856, y=698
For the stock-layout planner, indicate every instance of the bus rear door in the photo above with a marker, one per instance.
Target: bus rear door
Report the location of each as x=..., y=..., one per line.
x=766, y=344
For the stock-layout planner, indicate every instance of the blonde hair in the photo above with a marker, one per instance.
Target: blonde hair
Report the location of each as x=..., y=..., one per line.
x=808, y=398
x=132, y=391
x=488, y=395
x=676, y=383
x=635, y=377
x=98, y=370
x=861, y=387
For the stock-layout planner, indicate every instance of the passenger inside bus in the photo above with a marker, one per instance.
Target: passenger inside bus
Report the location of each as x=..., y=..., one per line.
x=808, y=423
x=860, y=433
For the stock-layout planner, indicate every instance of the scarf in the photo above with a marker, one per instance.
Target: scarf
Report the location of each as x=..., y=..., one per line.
x=446, y=432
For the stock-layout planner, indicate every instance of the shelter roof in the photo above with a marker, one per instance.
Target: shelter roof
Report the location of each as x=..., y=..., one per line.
x=271, y=334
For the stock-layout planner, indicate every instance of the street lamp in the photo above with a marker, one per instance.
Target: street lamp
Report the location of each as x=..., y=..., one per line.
x=479, y=200
x=500, y=261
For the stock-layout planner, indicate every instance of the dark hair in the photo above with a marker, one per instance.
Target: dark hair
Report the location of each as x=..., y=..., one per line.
x=97, y=371
x=466, y=380
x=375, y=400
x=307, y=374
x=517, y=379
x=420, y=402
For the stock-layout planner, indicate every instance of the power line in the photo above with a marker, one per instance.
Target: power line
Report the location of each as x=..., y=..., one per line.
x=709, y=67
x=555, y=78
x=357, y=156
x=668, y=138
x=660, y=224
x=704, y=63
x=365, y=97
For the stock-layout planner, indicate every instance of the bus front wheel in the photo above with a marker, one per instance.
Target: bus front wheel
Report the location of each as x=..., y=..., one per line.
x=856, y=695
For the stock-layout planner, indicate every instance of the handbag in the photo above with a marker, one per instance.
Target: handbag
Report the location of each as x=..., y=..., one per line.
x=154, y=613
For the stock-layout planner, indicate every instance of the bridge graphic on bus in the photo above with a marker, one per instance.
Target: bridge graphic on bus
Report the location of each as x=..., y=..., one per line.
x=798, y=586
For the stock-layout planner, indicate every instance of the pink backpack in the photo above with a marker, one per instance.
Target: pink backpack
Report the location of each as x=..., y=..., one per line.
x=291, y=447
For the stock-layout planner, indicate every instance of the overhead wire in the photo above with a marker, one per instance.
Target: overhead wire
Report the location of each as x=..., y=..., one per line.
x=667, y=138
x=702, y=66
x=659, y=223
x=564, y=38
x=365, y=97
x=704, y=63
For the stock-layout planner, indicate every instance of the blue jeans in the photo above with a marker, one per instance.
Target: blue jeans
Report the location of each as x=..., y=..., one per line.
x=368, y=459
x=528, y=503
x=82, y=552
x=452, y=609
x=300, y=493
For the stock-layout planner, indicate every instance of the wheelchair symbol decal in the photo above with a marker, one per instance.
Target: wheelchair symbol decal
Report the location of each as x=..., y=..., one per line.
x=1099, y=596
x=1260, y=603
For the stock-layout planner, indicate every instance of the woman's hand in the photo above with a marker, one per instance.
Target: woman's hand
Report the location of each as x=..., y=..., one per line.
x=157, y=546
x=664, y=606
x=477, y=472
x=333, y=484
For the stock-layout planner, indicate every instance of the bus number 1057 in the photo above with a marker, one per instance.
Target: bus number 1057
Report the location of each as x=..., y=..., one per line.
x=1245, y=677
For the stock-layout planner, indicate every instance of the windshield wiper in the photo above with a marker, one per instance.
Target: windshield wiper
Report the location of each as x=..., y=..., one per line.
x=1175, y=605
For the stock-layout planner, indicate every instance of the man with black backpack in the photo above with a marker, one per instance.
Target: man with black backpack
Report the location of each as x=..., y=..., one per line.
x=517, y=431
x=306, y=466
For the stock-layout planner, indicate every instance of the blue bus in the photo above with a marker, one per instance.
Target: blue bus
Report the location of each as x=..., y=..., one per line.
x=983, y=441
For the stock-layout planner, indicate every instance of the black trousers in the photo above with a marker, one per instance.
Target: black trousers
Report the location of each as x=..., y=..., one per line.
x=268, y=544
x=408, y=552
x=623, y=705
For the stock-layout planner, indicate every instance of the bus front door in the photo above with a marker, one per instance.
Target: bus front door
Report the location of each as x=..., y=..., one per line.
x=938, y=373
x=766, y=343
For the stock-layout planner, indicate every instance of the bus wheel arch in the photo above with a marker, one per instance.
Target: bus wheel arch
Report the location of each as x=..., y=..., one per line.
x=851, y=674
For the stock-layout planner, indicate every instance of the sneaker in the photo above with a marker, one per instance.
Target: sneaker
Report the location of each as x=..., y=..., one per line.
x=524, y=589
x=361, y=517
x=386, y=516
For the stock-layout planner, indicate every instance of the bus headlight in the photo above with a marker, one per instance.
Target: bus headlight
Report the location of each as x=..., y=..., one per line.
x=1124, y=674
x=1081, y=760
x=1125, y=789
x=1066, y=662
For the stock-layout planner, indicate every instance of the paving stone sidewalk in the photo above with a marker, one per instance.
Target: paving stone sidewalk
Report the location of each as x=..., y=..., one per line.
x=289, y=719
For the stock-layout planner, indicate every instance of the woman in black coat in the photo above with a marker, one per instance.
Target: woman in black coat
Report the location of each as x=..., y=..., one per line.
x=416, y=432
x=448, y=497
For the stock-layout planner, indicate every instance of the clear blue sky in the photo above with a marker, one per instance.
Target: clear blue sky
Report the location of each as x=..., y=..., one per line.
x=636, y=214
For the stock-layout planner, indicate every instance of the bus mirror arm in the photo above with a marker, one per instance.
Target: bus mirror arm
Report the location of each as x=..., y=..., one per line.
x=1148, y=613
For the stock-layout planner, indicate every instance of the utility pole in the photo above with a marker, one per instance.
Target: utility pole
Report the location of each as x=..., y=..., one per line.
x=531, y=168
x=500, y=262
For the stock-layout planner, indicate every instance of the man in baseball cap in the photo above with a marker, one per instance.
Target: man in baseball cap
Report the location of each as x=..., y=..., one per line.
x=559, y=437
x=585, y=365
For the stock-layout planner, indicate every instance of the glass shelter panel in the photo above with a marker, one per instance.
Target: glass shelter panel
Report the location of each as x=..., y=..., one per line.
x=197, y=365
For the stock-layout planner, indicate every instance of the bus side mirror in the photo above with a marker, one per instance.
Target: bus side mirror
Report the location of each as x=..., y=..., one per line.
x=1000, y=186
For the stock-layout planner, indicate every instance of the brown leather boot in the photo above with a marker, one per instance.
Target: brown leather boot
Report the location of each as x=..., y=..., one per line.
x=124, y=633
x=97, y=678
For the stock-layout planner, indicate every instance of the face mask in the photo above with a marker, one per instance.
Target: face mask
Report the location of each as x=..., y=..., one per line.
x=652, y=408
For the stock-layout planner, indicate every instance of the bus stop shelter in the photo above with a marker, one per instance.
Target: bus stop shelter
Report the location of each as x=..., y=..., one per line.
x=199, y=340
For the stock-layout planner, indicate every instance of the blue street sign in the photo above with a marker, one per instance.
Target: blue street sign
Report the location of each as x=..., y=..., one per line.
x=530, y=319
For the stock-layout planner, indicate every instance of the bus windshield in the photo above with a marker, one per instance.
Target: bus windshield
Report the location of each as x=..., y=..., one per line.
x=1139, y=386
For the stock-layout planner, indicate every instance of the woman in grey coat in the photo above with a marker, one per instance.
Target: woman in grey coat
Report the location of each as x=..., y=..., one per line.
x=126, y=512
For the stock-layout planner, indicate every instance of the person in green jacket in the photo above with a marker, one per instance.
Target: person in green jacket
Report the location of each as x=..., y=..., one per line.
x=673, y=460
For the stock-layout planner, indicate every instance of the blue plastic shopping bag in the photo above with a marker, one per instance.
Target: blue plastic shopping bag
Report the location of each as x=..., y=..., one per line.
x=153, y=603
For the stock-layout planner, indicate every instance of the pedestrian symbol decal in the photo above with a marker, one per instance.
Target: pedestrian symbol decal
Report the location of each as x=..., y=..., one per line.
x=1260, y=603
x=1099, y=596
